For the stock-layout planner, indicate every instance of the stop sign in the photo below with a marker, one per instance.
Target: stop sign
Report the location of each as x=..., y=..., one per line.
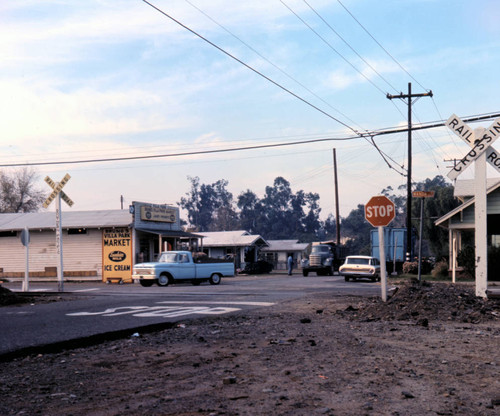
x=379, y=211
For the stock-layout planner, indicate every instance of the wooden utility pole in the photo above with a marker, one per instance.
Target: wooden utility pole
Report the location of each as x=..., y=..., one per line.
x=337, y=216
x=407, y=98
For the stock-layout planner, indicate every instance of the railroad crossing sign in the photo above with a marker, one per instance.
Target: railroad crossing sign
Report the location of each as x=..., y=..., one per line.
x=57, y=189
x=379, y=211
x=58, y=194
x=480, y=140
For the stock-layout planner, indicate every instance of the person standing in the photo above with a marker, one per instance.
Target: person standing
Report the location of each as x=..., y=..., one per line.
x=290, y=264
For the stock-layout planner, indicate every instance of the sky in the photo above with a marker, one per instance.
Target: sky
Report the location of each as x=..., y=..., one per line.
x=106, y=79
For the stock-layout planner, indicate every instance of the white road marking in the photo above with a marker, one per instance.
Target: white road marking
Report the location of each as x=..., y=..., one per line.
x=220, y=302
x=87, y=290
x=157, y=311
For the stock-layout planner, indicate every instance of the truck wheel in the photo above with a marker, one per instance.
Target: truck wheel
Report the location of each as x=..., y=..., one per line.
x=330, y=271
x=305, y=273
x=146, y=283
x=214, y=279
x=163, y=280
x=346, y=278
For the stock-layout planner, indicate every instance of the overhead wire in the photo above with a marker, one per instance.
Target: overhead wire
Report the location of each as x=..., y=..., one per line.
x=332, y=48
x=253, y=69
x=349, y=45
x=271, y=63
x=375, y=133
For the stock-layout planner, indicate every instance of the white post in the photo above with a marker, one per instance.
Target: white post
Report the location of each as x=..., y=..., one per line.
x=60, y=270
x=480, y=220
x=383, y=276
x=26, y=284
x=454, y=259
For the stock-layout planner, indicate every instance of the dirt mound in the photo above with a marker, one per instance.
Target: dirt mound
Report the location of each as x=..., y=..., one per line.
x=426, y=302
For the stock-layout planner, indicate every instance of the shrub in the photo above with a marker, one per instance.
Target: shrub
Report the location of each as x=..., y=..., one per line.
x=466, y=259
x=440, y=269
x=410, y=267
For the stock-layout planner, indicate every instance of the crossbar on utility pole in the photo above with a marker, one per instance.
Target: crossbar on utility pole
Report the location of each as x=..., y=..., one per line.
x=409, y=102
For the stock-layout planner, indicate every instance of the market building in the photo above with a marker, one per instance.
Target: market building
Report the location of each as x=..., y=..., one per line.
x=104, y=243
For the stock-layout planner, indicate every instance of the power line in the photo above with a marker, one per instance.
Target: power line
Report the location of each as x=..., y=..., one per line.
x=434, y=124
x=378, y=43
x=253, y=69
x=271, y=63
x=350, y=47
x=332, y=48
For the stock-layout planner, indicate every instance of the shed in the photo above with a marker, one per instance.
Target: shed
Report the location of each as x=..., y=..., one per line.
x=241, y=245
x=278, y=251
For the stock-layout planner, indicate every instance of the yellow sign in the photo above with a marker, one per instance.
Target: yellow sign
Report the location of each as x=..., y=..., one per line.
x=158, y=213
x=117, y=255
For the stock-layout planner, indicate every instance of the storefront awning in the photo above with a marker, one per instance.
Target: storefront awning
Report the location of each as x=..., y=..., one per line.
x=170, y=233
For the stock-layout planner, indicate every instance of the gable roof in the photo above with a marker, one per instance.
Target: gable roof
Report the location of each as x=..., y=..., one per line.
x=285, y=245
x=239, y=238
x=463, y=206
x=70, y=219
x=465, y=187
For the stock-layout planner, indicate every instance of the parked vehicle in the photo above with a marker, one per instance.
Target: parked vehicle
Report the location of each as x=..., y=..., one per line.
x=179, y=266
x=325, y=258
x=356, y=267
x=394, y=246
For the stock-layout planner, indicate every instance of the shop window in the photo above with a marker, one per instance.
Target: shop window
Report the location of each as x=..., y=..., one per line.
x=495, y=240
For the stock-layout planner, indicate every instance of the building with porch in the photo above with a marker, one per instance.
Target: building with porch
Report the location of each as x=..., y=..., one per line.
x=278, y=251
x=240, y=245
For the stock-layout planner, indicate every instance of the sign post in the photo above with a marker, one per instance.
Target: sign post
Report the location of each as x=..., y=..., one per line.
x=423, y=195
x=25, y=239
x=58, y=194
x=379, y=212
x=480, y=140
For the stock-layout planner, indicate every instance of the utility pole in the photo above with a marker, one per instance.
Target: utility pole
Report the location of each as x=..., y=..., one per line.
x=337, y=219
x=407, y=98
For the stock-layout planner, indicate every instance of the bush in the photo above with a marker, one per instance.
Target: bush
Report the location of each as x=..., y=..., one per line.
x=440, y=269
x=466, y=259
x=410, y=267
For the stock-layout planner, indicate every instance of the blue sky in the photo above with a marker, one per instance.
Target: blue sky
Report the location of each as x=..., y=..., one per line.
x=104, y=79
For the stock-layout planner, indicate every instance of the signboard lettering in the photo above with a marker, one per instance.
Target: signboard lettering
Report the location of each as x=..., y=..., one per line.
x=117, y=254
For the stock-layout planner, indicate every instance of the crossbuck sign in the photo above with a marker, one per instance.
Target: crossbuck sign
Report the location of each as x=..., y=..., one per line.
x=58, y=194
x=480, y=140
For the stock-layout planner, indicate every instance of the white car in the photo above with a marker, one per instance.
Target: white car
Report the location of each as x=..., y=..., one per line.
x=356, y=267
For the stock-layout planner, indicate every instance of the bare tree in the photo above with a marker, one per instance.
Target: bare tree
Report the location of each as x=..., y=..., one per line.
x=18, y=191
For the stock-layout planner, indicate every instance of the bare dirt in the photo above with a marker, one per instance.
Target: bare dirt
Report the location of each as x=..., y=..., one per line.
x=430, y=350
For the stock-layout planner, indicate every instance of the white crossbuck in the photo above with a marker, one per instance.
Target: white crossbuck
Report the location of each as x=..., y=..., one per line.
x=480, y=140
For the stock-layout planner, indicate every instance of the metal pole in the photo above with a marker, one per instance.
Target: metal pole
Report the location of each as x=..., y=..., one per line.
x=26, y=284
x=420, y=240
x=337, y=216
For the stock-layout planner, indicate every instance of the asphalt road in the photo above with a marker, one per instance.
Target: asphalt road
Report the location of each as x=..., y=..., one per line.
x=92, y=311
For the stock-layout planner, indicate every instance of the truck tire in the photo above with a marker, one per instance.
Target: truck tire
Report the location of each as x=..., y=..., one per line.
x=164, y=279
x=330, y=271
x=146, y=283
x=214, y=279
x=346, y=278
x=305, y=273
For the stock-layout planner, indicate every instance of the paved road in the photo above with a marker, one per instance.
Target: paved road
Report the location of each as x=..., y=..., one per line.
x=96, y=311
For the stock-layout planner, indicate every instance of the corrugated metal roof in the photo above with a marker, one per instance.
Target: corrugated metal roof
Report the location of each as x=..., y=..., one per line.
x=239, y=238
x=70, y=219
x=285, y=245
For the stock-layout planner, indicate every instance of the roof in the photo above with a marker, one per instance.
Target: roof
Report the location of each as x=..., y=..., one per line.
x=70, y=219
x=465, y=187
x=466, y=204
x=285, y=245
x=239, y=238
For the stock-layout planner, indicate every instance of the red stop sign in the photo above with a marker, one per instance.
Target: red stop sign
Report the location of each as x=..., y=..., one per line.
x=379, y=211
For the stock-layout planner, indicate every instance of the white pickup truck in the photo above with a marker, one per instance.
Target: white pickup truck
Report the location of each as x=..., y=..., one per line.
x=179, y=266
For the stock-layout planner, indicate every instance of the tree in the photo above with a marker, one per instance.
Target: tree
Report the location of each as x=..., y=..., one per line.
x=357, y=230
x=209, y=207
x=18, y=192
x=251, y=212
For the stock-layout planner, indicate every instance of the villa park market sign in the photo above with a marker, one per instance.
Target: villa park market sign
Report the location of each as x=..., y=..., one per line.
x=480, y=140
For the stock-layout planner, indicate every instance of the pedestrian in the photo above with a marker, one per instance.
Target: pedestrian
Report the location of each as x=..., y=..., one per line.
x=290, y=264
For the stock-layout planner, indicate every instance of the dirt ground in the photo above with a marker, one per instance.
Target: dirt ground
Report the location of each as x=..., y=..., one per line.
x=430, y=350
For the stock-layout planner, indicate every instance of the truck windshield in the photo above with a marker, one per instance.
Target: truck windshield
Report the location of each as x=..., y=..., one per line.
x=168, y=258
x=320, y=249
